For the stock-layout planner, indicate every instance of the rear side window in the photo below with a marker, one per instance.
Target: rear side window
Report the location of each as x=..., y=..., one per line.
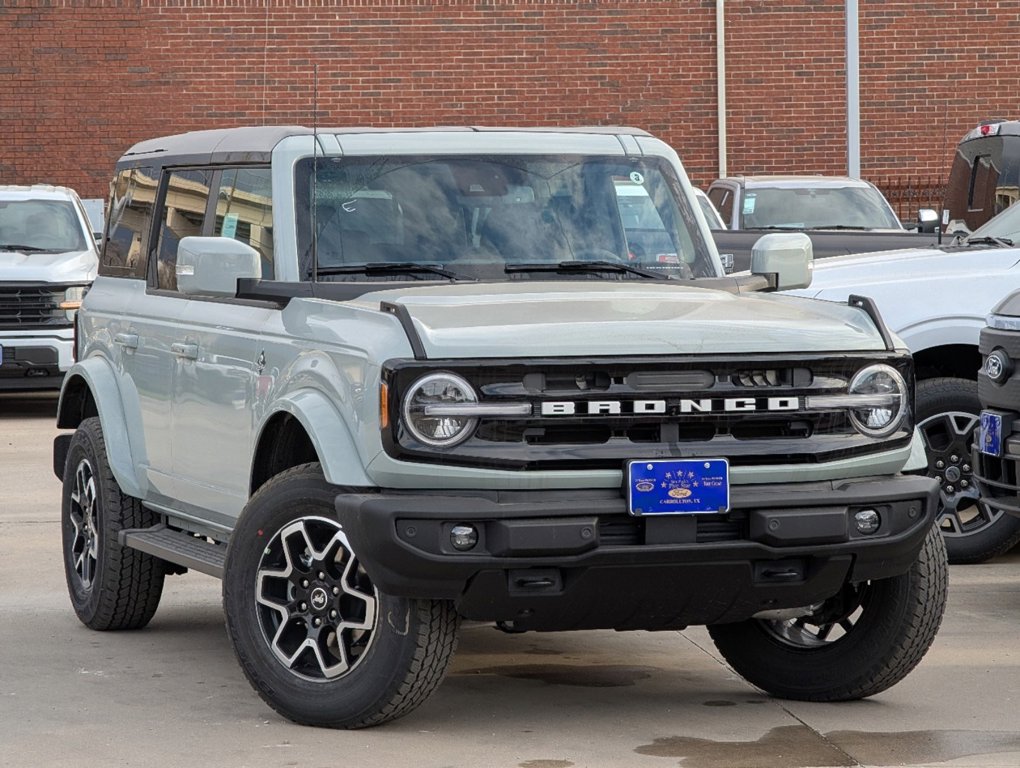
x=722, y=198
x=244, y=211
x=132, y=194
x=185, y=199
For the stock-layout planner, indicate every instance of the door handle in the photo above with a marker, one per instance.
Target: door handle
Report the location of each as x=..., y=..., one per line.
x=187, y=351
x=128, y=340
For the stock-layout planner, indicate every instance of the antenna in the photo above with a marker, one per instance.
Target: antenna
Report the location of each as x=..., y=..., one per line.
x=315, y=173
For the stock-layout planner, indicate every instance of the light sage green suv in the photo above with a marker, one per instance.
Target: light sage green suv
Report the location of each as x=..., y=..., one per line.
x=380, y=381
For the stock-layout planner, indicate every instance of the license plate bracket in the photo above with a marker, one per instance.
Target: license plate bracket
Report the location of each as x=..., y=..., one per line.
x=678, y=486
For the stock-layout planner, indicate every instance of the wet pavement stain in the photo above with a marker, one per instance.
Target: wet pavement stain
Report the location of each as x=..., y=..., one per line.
x=567, y=674
x=718, y=703
x=789, y=746
x=922, y=747
x=545, y=764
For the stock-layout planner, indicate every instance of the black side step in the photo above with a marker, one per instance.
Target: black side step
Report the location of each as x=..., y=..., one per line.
x=177, y=547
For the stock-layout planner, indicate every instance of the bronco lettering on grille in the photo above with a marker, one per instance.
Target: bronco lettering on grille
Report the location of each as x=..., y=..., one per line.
x=668, y=407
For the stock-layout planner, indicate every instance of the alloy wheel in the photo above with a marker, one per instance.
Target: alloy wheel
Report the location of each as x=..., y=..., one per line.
x=832, y=621
x=316, y=606
x=84, y=517
x=947, y=438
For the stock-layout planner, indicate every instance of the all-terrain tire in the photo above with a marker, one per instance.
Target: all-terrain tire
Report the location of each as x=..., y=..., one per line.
x=292, y=591
x=111, y=586
x=974, y=532
x=895, y=624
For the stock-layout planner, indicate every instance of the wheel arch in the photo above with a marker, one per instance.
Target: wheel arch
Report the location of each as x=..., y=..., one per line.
x=958, y=361
x=303, y=427
x=90, y=389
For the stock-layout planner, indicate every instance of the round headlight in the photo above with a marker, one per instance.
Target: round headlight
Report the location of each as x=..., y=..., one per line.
x=883, y=394
x=439, y=429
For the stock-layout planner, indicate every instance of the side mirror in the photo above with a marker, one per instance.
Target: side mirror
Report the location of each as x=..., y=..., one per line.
x=785, y=259
x=927, y=221
x=210, y=266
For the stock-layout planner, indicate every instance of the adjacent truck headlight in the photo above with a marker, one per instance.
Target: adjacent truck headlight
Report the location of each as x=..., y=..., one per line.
x=436, y=408
x=878, y=396
x=72, y=300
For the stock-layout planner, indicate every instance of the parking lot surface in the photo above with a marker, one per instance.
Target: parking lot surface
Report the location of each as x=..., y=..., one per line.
x=172, y=693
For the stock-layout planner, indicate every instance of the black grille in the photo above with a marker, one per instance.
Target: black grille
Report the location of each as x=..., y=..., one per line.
x=752, y=410
x=31, y=306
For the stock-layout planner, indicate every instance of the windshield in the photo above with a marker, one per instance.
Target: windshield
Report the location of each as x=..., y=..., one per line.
x=1004, y=226
x=819, y=207
x=40, y=226
x=485, y=217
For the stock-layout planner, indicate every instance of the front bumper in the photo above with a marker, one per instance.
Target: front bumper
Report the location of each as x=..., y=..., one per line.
x=35, y=360
x=998, y=477
x=553, y=560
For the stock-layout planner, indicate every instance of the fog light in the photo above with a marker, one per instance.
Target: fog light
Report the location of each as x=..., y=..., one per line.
x=867, y=520
x=463, y=537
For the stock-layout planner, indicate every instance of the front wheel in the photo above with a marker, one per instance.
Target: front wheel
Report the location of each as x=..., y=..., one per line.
x=948, y=412
x=856, y=644
x=316, y=639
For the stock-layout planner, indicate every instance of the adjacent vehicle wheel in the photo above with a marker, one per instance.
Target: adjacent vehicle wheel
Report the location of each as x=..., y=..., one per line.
x=856, y=644
x=948, y=412
x=111, y=587
x=316, y=639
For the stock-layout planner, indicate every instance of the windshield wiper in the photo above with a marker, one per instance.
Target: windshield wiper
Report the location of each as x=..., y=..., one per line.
x=23, y=248
x=1005, y=242
x=568, y=267
x=387, y=268
x=839, y=226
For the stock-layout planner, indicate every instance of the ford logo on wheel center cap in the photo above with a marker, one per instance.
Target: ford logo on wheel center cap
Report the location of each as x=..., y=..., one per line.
x=319, y=598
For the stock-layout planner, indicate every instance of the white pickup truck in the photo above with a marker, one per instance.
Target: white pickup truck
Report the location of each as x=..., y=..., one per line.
x=936, y=300
x=48, y=257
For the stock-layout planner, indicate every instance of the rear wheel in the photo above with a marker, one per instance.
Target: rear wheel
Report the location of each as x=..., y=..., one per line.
x=856, y=644
x=316, y=639
x=948, y=412
x=111, y=587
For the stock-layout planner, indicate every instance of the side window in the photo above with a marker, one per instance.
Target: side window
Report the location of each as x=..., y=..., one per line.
x=244, y=211
x=186, y=196
x=722, y=198
x=132, y=194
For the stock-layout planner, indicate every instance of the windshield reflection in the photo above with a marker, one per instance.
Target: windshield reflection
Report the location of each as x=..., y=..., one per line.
x=476, y=216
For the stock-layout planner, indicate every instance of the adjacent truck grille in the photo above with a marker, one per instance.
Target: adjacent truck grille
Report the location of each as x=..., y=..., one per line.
x=32, y=305
x=592, y=414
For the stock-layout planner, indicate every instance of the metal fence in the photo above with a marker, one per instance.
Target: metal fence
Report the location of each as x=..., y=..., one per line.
x=908, y=194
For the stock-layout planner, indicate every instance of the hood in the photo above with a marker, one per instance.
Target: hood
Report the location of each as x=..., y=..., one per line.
x=841, y=275
x=70, y=267
x=589, y=318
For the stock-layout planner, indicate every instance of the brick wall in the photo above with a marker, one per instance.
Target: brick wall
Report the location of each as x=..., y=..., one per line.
x=81, y=80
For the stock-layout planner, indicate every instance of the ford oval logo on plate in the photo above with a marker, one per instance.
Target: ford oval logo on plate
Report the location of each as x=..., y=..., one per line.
x=644, y=486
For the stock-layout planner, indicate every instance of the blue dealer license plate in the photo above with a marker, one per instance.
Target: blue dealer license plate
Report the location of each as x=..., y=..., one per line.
x=678, y=487
x=990, y=433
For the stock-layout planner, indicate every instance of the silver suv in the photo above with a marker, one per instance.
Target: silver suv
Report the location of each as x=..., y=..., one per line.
x=381, y=381
x=48, y=257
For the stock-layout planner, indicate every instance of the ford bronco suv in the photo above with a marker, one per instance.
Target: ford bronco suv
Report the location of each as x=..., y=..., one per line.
x=380, y=381
x=48, y=257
